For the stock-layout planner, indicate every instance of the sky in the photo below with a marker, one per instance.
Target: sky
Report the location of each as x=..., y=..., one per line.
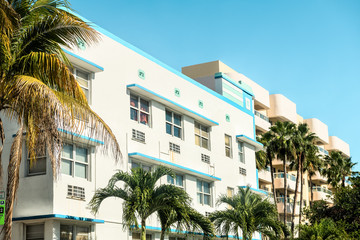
x=307, y=50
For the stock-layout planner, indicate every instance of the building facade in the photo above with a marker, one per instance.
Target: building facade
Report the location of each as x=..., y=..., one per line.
x=202, y=123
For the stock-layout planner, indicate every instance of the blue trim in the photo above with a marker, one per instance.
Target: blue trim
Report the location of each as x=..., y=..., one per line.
x=256, y=190
x=81, y=136
x=172, y=102
x=254, y=126
x=257, y=178
x=242, y=86
x=59, y=216
x=249, y=139
x=83, y=59
x=151, y=58
x=187, y=232
x=172, y=164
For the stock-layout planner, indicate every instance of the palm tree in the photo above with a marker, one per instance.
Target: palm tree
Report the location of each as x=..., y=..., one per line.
x=249, y=213
x=37, y=88
x=142, y=197
x=313, y=164
x=283, y=145
x=327, y=229
x=186, y=218
x=339, y=167
x=266, y=156
x=304, y=143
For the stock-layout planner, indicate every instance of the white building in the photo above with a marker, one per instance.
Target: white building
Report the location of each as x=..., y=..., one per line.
x=204, y=129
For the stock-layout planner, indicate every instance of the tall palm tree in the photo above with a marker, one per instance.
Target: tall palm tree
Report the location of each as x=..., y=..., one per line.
x=249, y=213
x=37, y=88
x=187, y=219
x=304, y=143
x=266, y=156
x=313, y=164
x=142, y=196
x=339, y=167
x=283, y=145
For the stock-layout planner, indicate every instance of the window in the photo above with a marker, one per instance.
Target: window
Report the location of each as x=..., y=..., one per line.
x=202, y=136
x=83, y=78
x=242, y=171
x=74, y=232
x=136, y=236
x=178, y=181
x=139, y=110
x=38, y=167
x=228, y=150
x=140, y=165
x=173, y=124
x=203, y=192
x=241, y=152
x=174, y=147
x=35, y=232
x=138, y=136
x=76, y=192
x=75, y=161
x=205, y=158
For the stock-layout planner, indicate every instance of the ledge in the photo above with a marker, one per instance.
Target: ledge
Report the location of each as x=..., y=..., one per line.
x=258, y=146
x=82, y=62
x=60, y=216
x=150, y=159
x=173, y=105
x=81, y=138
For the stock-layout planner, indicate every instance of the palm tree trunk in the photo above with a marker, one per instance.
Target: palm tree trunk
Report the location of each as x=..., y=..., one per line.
x=295, y=197
x=301, y=191
x=343, y=182
x=12, y=182
x=162, y=234
x=2, y=139
x=311, y=191
x=285, y=189
x=143, y=229
x=272, y=183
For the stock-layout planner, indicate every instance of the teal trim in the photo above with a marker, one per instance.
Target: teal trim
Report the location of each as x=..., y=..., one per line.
x=83, y=59
x=151, y=58
x=172, y=102
x=232, y=98
x=257, y=178
x=173, y=164
x=233, y=90
x=242, y=86
x=249, y=139
x=58, y=216
x=256, y=190
x=81, y=136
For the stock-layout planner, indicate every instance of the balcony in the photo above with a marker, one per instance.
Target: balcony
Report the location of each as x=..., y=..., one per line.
x=291, y=181
x=318, y=179
x=321, y=193
x=282, y=109
x=289, y=205
x=336, y=144
x=262, y=122
x=278, y=163
x=322, y=151
x=264, y=176
x=320, y=129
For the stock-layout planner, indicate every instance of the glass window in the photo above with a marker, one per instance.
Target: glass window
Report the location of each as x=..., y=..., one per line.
x=83, y=78
x=35, y=232
x=173, y=124
x=202, y=135
x=178, y=181
x=141, y=165
x=228, y=149
x=139, y=110
x=74, y=232
x=75, y=161
x=203, y=192
x=37, y=167
x=241, y=152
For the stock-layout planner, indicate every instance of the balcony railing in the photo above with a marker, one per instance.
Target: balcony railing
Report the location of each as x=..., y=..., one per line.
x=323, y=150
x=288, y=176
x=262, y=116
x=289, y=200
x=321, y=189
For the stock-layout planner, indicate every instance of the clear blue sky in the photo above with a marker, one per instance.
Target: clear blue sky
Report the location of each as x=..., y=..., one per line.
x=308, y=50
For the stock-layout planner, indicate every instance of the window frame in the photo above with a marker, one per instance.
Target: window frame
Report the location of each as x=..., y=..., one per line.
x=74, y=161
x=174, y=180
x=228, y=148
x=139, y=111
x=202, y=193
x=173, y=125
x=41, y=225
x=89, y=85
x=28, y=174
x=241, y=151
x=75, y=231
x=142, y=165
x=200, y=135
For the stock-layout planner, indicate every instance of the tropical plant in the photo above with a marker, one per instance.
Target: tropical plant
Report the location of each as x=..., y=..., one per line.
x=338, y=168
x=283, y=145
x=142, y=196
x=37, y=88
x=304, y=144
x=187, y=220
x=326, y=229
x=248, y=212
